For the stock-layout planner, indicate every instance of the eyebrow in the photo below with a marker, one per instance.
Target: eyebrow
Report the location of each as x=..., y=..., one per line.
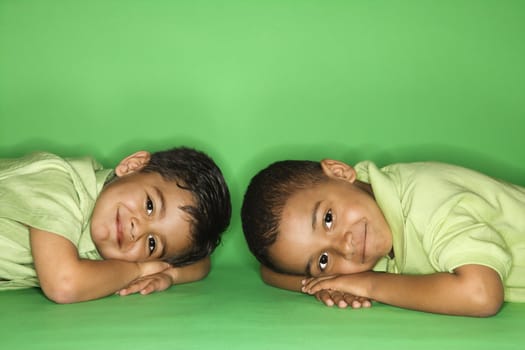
x=314, y=214
x=162, y=255
x=162, y=212
x=307, y=270
x=162, y=200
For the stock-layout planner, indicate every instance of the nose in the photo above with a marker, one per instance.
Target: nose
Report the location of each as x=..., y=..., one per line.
x=343, y=243
x=139, y=228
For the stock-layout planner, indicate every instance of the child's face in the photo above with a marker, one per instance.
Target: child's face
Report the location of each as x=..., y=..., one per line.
x=137, y=217
x=335, y=227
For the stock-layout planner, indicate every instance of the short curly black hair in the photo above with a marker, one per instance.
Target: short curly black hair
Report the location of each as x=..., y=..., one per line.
x=265, y=198
x=196, y=172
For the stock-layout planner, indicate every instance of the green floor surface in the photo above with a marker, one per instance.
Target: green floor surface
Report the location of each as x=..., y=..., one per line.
x=232, y=309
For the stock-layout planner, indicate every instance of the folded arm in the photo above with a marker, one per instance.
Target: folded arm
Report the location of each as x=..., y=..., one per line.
x=327, y=297
x=472, y=290
x=164, y=279
x=280, y=280
x=66, y=278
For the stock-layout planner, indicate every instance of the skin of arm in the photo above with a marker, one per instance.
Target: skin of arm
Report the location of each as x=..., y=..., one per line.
x=66, y=278
x=163, y=280
x=328, y=297
x=281, y=280
x=472, y=290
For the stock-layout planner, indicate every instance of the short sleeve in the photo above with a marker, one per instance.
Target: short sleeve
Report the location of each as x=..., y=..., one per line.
x=465, y=242
x=41, y=191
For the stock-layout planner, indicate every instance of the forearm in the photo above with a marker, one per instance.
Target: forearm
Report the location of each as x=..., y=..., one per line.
x=89, y=279
x=279, y=280
x=190, y=273
x=472, y=290
x=444, y=293
x=66, y=278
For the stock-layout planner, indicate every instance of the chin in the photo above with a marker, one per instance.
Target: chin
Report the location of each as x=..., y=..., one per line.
x=107, y=255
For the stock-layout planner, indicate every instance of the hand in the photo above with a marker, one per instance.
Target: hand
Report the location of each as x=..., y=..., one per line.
x=353, y=285
x=342, y=300
x=148, y=284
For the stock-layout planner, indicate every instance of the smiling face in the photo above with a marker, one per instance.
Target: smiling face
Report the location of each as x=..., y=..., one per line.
x=333, y=227
x=138, y=217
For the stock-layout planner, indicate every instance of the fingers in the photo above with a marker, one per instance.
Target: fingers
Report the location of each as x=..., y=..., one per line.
x=149, y=288
x=148, y=285
x=307, y=285
x=338, y=299
x=322, y=289
x=356, y=302
x=325, y=297
x=342, y=300
x=135, y=287
x=314, y=285
x=365, y=302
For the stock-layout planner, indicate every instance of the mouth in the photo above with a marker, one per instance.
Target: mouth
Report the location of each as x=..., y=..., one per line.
x=364, y=245
x=118, y=229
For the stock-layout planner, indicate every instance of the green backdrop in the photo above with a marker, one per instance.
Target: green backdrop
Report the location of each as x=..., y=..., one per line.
x=250, y=82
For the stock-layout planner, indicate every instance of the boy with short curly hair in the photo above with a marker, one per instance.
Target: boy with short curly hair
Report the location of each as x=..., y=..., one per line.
x=81, y=232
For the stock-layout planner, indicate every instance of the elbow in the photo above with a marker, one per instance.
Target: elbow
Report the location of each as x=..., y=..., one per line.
x=60, y=296
x=264, y=274
x=205, y=270
x=267, y=276
x=482, y=290
x=486, y=302
x=61, y=291
x=202, y=270
x=202, y=274
x=487, y=308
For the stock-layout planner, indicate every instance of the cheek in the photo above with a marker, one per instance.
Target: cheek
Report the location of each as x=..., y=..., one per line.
x=133, y=255
x=106, y=252
x=99, y=234
x=345, y=267
x=351, y=213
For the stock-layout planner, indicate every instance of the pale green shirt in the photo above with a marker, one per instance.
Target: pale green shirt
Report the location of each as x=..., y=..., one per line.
x=50, y=193
x=444, y=216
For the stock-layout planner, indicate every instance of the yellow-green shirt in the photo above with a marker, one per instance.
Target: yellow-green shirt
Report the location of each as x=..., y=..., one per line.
x=444, y=216
x=50, y=193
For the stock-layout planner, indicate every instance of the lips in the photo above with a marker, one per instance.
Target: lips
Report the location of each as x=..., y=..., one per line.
x=364, y=244
x=358, y=242
x=118, y=229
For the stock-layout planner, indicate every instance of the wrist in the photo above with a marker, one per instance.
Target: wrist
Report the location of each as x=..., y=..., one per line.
x=138, y=270
x=368, y=284
x=173, y=274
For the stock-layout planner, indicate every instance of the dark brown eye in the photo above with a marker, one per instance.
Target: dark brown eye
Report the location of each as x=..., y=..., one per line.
x=328, y=219
x=323, y=261
x=152, y=244
x=149, y=206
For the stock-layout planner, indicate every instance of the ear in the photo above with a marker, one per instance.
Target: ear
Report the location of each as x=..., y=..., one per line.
x=338, y=170
x=134, y=162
